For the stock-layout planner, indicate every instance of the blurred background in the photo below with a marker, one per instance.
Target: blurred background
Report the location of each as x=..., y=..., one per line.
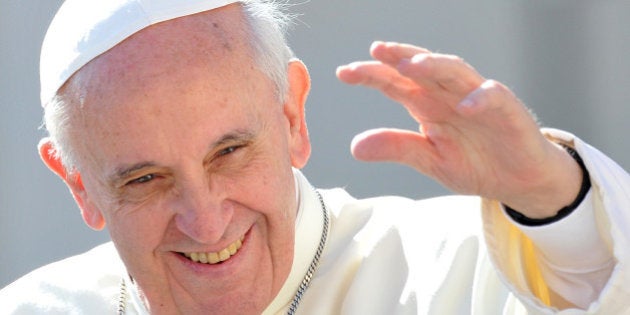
x=566, y=59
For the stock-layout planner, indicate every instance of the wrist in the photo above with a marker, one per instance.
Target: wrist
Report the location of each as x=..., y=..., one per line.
x=585, y=185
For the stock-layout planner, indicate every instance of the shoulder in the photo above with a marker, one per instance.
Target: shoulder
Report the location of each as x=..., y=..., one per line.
x=84, y=283
x=434, y=216
x=415, y=227
x=391, y=243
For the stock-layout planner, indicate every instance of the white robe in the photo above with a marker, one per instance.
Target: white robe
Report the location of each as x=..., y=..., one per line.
x=392, y=255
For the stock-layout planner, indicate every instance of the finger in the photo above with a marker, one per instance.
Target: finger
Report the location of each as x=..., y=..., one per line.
x=379, y=76
x=441, y=72
x=394, y=145
x=420, y=105
x=494, y=106
x=392, y=53
x=493, y=97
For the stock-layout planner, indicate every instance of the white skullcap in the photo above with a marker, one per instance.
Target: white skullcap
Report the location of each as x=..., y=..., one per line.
x=83, y=29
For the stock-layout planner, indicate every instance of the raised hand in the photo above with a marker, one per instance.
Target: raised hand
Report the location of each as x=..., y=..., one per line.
x=474, y=137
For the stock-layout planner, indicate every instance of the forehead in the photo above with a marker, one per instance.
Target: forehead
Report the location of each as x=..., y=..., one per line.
x=206, y=41
x=189, y=78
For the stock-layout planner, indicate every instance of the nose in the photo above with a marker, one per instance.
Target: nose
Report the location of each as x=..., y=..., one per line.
x=203, y=213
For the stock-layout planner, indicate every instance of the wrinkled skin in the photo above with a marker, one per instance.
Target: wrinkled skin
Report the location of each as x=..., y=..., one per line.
x=474, y=137
x=185, y=147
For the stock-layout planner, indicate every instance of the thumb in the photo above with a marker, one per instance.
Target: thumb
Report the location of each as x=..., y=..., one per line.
x=394, y=145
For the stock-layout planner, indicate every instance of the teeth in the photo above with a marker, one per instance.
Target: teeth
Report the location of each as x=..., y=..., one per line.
x=213, y=258
x=203, y=258
x=216, y=257
x=224, y=255
x=232, y=249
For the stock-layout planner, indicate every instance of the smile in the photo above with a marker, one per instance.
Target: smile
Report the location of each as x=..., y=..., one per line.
x=216, y=257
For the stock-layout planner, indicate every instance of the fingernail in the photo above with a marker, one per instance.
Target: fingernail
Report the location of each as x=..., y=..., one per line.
x=347, y=66
x=339, y=68
x=404, y=62
x=375, y=44
x=467, y=103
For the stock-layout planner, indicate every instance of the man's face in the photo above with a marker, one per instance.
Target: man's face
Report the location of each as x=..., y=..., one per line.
x=186, y=153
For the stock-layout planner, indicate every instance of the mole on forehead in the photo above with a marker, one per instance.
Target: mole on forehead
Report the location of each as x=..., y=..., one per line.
x=202, y=32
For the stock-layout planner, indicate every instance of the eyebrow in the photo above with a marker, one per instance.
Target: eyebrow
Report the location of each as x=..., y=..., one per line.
x=235, y=136
x=240, y=136
x=124, y=171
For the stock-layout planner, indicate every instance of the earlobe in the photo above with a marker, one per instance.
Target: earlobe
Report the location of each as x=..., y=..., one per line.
x=92, y=216
x=299, y=86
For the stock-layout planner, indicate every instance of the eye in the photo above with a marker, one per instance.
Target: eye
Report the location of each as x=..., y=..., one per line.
x=142, y=179
x=228, y=150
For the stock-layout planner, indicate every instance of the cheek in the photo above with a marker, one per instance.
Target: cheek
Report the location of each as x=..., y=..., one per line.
x=268, y=188
x=140, y=229
x=265, y=179
x=274, y=188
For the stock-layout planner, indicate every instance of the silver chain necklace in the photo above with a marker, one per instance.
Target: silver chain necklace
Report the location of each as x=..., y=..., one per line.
x=122, y=298
x=314, y=263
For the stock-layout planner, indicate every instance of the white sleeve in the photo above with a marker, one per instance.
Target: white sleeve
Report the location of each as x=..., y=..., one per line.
x=574, y=258
x=611, y=208
x=585, y=257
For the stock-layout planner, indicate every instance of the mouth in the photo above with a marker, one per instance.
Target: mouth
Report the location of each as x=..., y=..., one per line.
x=212, y=258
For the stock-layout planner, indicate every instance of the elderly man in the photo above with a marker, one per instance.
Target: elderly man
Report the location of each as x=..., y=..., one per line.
x=180, y=125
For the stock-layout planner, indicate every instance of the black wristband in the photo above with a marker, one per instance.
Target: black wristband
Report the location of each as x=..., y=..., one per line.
x=564, y=212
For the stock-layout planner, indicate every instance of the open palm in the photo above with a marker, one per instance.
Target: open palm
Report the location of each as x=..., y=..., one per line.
x=474, y=137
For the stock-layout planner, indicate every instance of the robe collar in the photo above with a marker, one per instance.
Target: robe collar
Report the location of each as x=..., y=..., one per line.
x=309, y=226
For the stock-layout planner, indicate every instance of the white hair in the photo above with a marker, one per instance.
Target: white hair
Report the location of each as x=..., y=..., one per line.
x=267, y=25
x=267, y=28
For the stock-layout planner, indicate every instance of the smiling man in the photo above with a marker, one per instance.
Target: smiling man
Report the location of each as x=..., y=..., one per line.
x=179, y=126
x=190, y=151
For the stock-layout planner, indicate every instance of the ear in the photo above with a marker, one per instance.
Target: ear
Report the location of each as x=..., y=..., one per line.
x=91, y=215
x=299, y=86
